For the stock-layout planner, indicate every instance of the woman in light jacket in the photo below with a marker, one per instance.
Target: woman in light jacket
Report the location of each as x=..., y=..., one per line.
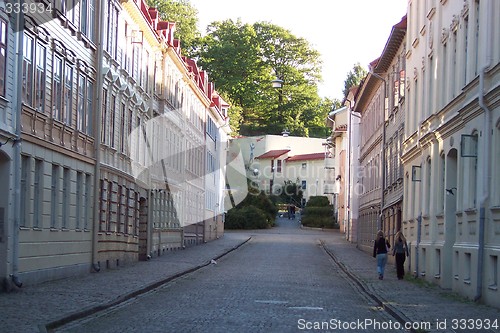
x=400, y=250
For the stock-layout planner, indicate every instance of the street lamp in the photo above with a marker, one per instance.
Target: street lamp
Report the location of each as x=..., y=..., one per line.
x=277, y=83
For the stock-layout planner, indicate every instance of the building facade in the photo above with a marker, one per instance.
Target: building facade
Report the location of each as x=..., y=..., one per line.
x=10, y=145
x=391, y=68
x=451, y=148
x=113, y=122
x=272, y=160
x=369, y=102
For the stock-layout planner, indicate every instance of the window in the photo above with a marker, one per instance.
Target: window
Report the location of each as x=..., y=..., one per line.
x=3, y=55
x=40, y=77
x=54, y=196
x=27, y=84
x=112, y=29
x=112, y=121
x=66, y=190
x=87, y=18
x=122, y=127
x=80, y=199
x=87, y=201
x=304, y=184
x=104, y=116
x=278, y=165
x=304, y=165
x=88, y=110
x=80, y=119
x=38, y=194
x=25, y=175
x=146, y=72
x=68, y=93
x=84, y=105
x=57, y=88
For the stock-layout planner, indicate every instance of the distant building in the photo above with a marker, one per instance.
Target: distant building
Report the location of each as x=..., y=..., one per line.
x=272, y=160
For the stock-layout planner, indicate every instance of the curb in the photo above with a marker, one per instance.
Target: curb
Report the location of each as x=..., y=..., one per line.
x=364, y=288
x=49, y=327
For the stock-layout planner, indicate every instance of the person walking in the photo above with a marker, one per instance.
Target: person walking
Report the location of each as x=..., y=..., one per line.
x=380, y=249
x=400, y=250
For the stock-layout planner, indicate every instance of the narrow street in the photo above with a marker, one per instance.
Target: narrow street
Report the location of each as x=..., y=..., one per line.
x=280, y=281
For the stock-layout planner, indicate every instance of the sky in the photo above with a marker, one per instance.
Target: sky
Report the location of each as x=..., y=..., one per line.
x=344, y=32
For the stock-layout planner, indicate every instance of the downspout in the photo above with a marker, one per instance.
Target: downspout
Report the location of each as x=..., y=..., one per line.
x=487, y=157
x=96, y=267
x=419, y=218
x=18, y=105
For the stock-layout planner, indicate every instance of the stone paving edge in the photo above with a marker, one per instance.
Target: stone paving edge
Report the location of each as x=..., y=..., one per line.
x=49, y=327
x=398, y=315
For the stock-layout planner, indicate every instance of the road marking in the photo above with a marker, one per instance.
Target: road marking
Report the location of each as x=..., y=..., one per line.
x=305, y=307
x=270, y=301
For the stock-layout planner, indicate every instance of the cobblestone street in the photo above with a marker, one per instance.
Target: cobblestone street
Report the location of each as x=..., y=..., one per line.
x=278, y=280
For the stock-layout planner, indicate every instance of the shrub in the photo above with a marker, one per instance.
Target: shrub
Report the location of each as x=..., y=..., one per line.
x=261, y=201
x=248, y=217
x=318, y=201
x=319, y=222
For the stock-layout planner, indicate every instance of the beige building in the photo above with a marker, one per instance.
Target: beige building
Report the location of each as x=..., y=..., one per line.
x=113, y=121
x=369, y=102
x=391, y=69
x=451, y=148
x=337, y=159
x=272, y=160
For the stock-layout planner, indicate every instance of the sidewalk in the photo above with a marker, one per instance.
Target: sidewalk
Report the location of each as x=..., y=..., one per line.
x=35, y=308
x=406, y=299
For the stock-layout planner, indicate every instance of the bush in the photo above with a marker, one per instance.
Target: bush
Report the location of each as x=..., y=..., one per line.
x=318, y=201
x=318, y=216
x=318, y=211
x=248, y=217
x=262, y=202
x=319, y=222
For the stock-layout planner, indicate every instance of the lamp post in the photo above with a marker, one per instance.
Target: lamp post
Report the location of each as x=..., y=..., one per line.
x=278, y=84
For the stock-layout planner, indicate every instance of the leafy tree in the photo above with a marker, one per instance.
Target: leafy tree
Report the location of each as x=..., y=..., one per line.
x=354, y=78
x=243, y=59
x=185, y=16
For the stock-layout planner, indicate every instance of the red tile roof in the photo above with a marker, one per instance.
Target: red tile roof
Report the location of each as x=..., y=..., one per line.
x=274, y=153
x=306, y=157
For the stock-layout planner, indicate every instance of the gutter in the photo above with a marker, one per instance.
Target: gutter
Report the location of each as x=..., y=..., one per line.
x=483, y=201
x=18, y=106
x=97, y=140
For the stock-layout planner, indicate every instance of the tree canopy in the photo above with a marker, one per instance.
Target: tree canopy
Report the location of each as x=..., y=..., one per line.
x=354, y=78
x=243, y=59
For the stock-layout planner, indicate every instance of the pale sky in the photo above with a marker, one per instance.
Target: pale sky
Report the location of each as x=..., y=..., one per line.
x=343, y=31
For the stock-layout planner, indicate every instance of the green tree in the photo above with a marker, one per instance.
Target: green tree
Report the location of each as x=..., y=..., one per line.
x=354, y=78
x=243, y=59
x=186, y=18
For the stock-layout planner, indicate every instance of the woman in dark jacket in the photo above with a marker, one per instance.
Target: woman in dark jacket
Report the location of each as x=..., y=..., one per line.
x=400, y=250
x=380, y=252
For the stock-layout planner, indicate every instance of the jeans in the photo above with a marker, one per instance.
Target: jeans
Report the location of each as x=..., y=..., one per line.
x=381, y=261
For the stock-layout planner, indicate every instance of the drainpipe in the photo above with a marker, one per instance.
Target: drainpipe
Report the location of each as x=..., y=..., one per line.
x=96, y=267
x=18, y=105
x=487, y=158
